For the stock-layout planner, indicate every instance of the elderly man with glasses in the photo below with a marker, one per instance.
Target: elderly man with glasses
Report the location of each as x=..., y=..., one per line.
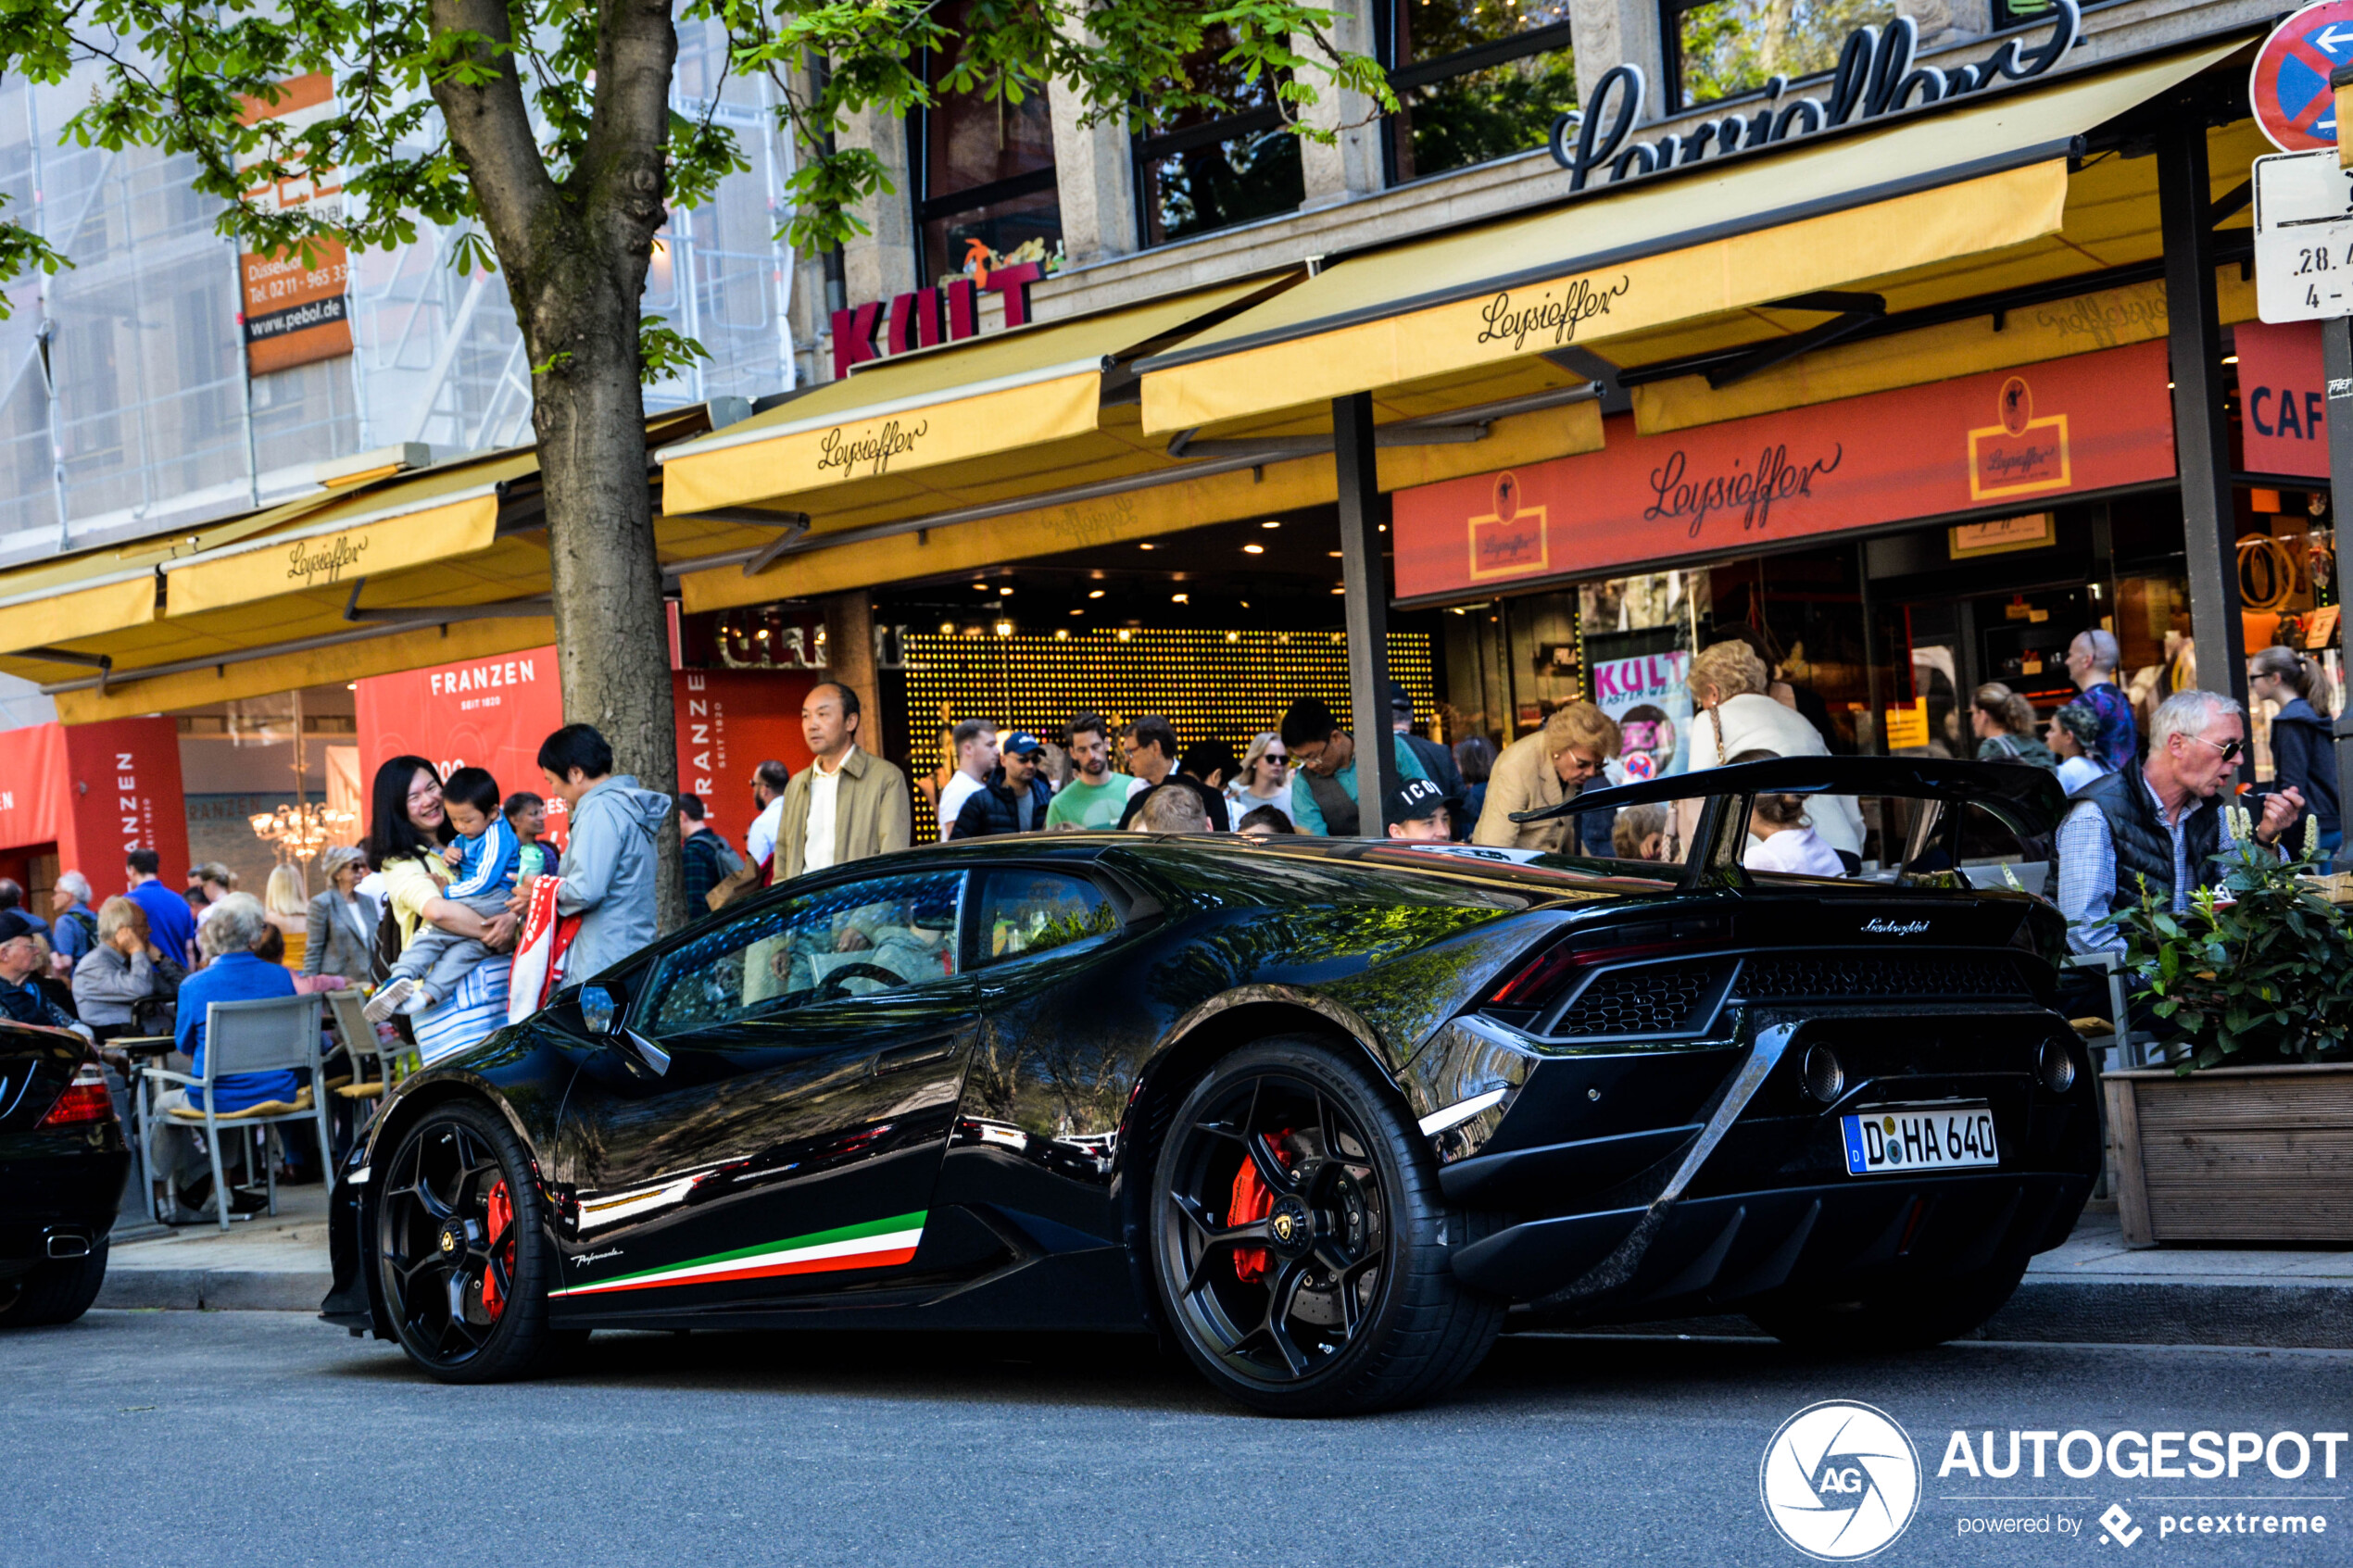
x=2161, y=822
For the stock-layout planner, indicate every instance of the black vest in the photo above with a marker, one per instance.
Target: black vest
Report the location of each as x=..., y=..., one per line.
x=2143, y=848
x=1340, y=817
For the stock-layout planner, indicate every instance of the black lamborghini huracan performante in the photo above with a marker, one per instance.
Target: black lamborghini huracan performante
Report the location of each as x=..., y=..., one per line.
x=1321, y=1112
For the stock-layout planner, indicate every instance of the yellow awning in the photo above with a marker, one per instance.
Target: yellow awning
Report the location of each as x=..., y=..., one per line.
x=847, y=446
x=49, y=616
x=449, y=563
x=1914, y=210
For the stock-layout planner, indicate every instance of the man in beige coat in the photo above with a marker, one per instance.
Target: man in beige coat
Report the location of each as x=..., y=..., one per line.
x=1544, y=769
x=846, y=805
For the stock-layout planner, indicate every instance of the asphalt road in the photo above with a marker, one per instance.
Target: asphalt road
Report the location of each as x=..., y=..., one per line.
x=158, y=1438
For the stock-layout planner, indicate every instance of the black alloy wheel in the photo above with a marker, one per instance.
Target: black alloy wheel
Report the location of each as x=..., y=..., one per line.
x=1301, y=1241
x=462, y=1248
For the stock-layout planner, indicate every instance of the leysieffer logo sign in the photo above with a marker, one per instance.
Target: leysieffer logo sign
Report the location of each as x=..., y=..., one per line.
x=1875, y=76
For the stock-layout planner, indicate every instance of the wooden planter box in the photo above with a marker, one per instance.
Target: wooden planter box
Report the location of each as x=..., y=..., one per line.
x=2233, y=1154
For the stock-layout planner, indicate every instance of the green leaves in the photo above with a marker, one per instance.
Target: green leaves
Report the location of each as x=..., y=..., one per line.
x=2259, y=973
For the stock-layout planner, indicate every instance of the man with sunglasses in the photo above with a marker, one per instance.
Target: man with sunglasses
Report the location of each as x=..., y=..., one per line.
x=2162, y=821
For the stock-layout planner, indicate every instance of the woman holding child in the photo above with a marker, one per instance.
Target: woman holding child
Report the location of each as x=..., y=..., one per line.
x=453, y=948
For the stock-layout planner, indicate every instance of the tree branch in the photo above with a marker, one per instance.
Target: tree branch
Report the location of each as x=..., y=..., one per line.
x=481, y=96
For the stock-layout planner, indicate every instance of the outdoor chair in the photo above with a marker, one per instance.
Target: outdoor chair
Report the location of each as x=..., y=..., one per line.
x=273, y=1035
x=374, y=1064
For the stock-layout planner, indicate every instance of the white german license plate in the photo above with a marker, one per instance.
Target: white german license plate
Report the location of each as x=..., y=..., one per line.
x=1911, y=1138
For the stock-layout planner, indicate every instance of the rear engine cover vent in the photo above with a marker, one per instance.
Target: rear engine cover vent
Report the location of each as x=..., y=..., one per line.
x=1651, y=998
x=1840, y=977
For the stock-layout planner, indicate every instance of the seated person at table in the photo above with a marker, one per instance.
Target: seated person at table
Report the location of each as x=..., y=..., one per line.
x=22, y=956
x=231, y=974
x=124, y=970
x=484, y=859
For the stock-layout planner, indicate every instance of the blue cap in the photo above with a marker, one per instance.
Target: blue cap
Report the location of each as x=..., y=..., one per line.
x=1021, y=743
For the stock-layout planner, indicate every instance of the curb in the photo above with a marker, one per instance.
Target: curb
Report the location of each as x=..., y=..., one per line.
x=2266, y=1315
x=266, y=1291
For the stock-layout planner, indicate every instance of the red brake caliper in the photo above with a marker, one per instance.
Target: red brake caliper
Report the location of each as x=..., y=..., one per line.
x=1253, y=1201
x=497, y=1215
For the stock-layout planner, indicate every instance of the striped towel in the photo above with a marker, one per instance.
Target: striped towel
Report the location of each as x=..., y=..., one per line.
x=475, y=1011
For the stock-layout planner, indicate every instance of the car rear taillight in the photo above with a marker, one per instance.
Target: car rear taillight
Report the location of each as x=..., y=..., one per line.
x=86, y=1100
x=1544, y=977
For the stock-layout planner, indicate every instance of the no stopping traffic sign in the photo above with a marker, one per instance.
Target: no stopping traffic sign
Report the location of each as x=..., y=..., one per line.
x=2290, y=83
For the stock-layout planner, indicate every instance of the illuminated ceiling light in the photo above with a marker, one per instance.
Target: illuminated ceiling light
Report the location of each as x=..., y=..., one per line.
x=1003, y=592
x=351, y=685
x=1233, y=637
x=1180, y=598
x=1094, y=592
x=762, y=633
x=980, y=587
x=1254, y=549
x=1077, y=612
x=947, y=628
x=1147, y=544
x=1004, y=628
x=1123, y=633
x=1334, y=554
x=1062, y=634
x=1270, y=522
x=1245, y=604
x=1339, y=590
x=2230, y=359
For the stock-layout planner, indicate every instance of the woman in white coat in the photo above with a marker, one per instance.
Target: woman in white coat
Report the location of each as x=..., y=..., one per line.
x=1733, y=714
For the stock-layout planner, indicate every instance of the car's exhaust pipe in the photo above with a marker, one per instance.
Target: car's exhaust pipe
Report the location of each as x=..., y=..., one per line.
x=68, y=1244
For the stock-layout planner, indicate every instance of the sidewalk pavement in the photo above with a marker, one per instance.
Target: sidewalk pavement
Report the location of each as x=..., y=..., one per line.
x=2092, y=1290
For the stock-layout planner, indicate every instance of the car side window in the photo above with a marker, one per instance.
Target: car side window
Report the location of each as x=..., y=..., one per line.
x=855, y=940
x=1019, y=912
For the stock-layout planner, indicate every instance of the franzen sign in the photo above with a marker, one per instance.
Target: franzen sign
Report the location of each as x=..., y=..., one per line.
x=1875, y=76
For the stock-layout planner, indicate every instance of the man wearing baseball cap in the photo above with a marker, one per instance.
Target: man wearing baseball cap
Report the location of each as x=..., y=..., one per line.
x=1417, y=811
x=20, y=960
x=1014, y=798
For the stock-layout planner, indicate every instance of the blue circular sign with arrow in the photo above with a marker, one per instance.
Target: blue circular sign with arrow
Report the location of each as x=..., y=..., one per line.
x=2290, y=86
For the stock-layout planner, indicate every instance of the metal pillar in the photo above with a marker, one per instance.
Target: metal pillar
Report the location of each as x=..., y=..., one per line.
x=1365, y=585
x=2201, y=435
x=2336, y=370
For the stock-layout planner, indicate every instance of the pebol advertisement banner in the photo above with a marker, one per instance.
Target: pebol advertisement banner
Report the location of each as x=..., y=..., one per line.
x=295, y=310
x=2015, y=439
x=494, y=713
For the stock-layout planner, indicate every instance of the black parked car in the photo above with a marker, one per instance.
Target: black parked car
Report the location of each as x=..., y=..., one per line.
x=1323, y=1110
x=62, y=1163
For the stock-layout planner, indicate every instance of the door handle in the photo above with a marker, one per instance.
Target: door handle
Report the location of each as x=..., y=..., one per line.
x=919, y=1053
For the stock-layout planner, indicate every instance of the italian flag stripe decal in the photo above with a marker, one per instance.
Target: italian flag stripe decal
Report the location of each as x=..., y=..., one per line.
x=876, y=1243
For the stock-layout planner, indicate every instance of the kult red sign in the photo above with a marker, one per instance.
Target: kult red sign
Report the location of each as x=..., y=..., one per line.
x=2087, y=422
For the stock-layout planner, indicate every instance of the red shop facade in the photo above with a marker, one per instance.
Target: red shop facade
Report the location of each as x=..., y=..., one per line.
x=1889, y=552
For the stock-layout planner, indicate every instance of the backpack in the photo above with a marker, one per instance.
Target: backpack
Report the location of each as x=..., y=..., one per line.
x=89, y=924
x=382, y=953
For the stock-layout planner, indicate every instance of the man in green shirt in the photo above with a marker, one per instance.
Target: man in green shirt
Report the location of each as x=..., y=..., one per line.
x=1097, y=797
x=1323, y=791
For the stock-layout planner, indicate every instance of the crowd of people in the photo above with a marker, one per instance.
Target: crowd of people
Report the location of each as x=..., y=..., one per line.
x=425, y=914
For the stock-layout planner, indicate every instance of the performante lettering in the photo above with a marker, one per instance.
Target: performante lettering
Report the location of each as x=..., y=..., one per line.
x=1579, y=302
x=1776, y=478
x=1875, y=76
x=847, y=453
x=309, y=561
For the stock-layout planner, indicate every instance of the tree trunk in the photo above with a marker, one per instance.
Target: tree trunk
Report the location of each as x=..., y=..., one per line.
x=612, y=632
x=575, y=254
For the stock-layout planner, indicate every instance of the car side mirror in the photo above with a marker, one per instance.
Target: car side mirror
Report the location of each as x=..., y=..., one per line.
x=599, y=1010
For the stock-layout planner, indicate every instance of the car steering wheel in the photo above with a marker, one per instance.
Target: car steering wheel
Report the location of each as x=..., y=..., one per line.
x=830, y=988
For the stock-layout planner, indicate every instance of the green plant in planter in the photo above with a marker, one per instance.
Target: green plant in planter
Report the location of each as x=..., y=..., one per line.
x=2255, y=972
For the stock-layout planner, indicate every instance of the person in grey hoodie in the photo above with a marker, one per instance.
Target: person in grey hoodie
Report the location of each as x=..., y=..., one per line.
x=608, y=865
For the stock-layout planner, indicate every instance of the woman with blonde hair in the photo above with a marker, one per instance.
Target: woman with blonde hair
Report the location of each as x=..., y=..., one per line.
x=1733, y=714
x=287, y=904
x=1263, y=779
x=340, y=934
x=1546, y=768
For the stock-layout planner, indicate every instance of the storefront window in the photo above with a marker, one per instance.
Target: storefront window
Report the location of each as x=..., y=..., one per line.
x=1723, y=48
x=1640, y=636
x=1475, y=80
x=984, y=170
x=1202, y=169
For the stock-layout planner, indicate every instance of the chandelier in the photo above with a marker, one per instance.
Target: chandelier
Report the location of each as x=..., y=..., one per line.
x=298, y=833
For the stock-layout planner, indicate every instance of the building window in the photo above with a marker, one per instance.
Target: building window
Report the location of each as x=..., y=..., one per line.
x=1475, y=80
x=1723, y=48
x=1200, y=168
x=983, y=171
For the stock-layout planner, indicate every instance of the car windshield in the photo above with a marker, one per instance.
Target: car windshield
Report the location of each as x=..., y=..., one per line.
x=1828, y=819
